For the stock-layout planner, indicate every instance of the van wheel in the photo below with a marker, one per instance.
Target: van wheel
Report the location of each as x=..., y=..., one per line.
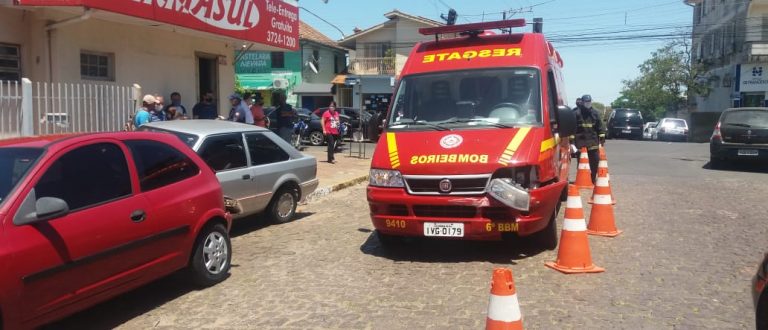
x=283, y=205
x=211, y=257
x=547, y=237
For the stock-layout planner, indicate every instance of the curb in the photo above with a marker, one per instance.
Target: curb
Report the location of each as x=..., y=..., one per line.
x=325, y=191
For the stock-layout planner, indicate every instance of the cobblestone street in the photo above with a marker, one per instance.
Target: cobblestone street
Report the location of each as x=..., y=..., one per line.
x=692, y=240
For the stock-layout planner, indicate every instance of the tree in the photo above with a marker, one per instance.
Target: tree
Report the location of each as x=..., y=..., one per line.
x=664, y=83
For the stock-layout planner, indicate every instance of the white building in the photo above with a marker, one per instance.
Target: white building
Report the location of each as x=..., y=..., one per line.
x=379, y=54
x=164, y=46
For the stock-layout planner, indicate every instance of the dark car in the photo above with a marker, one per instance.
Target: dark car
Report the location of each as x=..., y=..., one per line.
x=760, y=296
x=740, y=134
x=358, y=120
x=314, y=133
x=625, y=123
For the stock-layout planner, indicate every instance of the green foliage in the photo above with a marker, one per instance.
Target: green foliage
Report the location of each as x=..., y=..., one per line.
x=664, y=83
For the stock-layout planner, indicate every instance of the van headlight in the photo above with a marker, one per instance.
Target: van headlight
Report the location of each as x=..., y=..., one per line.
x=386, y=178
x=510, y=193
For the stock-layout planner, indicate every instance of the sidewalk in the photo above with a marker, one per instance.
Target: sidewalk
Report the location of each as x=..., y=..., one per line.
x=347, y=171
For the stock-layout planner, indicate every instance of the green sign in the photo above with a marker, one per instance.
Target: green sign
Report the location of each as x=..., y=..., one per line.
x=254, y=62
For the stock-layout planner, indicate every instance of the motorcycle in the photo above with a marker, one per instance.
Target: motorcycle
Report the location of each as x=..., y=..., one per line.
x=299, y=129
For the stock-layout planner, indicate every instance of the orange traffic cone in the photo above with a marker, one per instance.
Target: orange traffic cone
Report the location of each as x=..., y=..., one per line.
x=601, y=219
x=503, y=307
x=573, y=255
x=605, y=182
x=584, y=175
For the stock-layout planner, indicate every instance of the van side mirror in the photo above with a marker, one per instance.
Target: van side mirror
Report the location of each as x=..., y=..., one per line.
x=566, y=123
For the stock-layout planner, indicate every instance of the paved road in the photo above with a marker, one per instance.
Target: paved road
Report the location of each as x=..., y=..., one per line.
x=692, y=240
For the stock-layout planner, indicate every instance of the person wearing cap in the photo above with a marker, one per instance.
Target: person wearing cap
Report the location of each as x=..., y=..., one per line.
x=148, y=104
x=239, y=111
x=590, y=132
x=578, y=103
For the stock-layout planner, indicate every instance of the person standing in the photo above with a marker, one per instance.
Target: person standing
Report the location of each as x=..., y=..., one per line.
x=205, y=109
x=286, y=115
x=330, y=124
x=143, y=114
x=157, y=114
x=578, y=103
x=181, y=111
x=257, y=111
x=590, y=132
x=239, y=111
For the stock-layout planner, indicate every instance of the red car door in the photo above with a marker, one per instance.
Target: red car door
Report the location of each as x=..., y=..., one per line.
x=62, y=262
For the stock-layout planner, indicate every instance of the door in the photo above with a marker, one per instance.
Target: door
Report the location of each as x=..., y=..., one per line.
x=269, y=163
x=207, y=75
x=226, y=154
x=79, y=254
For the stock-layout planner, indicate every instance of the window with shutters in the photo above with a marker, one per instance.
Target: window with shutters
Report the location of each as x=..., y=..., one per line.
x=10, y=62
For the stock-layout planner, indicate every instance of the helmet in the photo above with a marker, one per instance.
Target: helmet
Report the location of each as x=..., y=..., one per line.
x=586, y=98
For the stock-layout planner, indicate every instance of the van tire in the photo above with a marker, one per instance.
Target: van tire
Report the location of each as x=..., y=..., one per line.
x=547, y=237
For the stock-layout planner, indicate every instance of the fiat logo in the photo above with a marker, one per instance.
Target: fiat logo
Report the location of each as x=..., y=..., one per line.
x=451, y=141
x=445, y=186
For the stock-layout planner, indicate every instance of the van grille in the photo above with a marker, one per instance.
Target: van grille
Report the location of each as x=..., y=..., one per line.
x=460, y=184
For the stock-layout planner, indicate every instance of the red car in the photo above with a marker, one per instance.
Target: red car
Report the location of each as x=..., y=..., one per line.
x=84, y=218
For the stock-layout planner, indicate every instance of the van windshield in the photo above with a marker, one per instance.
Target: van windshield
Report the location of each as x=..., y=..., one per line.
x=507, y=97
x=14, y=165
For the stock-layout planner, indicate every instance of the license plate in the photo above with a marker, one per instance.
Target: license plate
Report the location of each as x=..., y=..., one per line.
x=626, y=131
x=748, y=152
x=444, y=229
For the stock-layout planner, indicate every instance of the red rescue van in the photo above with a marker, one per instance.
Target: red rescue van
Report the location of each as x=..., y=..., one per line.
x=476, y=139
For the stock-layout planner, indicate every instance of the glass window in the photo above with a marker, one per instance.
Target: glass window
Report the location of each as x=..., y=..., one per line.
x=188, y=139
x=87, y=176
x=14, y=165
x=263, y=150
x=97, y=66
x=498, y=97
x=10, y=62
x=747, y=118
x=224, y=152
x=159, y=165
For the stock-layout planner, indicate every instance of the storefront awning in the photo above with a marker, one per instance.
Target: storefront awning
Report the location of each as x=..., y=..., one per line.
x=339, y=79
x=313, y=88
x=242, y=19
x=255, y=81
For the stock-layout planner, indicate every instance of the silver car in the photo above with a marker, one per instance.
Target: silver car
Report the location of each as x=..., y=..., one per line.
x=649, y=129
x=258, y=171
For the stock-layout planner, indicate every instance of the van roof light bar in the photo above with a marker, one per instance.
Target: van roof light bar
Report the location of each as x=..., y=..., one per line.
x=473, y=28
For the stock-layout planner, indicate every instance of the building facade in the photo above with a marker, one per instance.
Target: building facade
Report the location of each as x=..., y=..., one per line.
x=730, y=42
x=378, y=56
x=305, y=75
x=163, y=49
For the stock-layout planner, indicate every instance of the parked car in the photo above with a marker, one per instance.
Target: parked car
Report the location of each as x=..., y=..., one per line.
x=740, y=134
x=87, y=217
x=670, y=129
x=314, y=133
x=258, y=171
x=760, y=295
x=625, y=123
x=648, y=129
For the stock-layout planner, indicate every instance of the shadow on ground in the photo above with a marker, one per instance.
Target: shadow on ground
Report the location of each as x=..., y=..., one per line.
x=749, y=167
x=253, y=223
x=443, y=250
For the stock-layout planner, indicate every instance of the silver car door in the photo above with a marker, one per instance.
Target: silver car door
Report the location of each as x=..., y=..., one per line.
x=269, y=162
x=226, y=154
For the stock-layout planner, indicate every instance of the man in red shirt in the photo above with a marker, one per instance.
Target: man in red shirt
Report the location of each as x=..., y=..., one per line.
x=330, y=123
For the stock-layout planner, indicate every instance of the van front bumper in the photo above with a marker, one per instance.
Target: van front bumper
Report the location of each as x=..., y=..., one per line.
x=395, y=212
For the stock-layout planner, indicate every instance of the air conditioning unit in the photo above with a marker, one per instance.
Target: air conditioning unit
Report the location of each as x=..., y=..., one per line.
x=280, y=83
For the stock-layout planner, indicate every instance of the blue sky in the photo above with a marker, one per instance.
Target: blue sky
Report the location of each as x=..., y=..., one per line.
x=592, y=65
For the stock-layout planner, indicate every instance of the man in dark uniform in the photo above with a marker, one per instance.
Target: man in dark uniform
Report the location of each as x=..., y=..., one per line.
x=578, y=103
x=590, y=132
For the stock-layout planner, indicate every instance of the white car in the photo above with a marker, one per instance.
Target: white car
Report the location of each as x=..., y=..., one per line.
x=648, y=129
x=670, y=129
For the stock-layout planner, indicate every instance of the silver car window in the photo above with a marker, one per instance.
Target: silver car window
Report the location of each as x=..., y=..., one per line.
x=224, y=152
x=263, y=150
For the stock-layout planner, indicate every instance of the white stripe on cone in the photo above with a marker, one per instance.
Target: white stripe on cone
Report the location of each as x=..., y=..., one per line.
x=602, y=200
x=602, y=181
x=574, y=225
x=504, y=308
x=573, y=202
x=583, y=166
x=603, y=164
x=583, y=155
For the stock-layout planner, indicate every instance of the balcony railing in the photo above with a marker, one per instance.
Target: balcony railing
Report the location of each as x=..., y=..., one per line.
x=372, y=66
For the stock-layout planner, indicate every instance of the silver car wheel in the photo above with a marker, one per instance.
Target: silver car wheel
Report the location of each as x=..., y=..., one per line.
x=285, y=205
x=316, y=138
x=215, y=252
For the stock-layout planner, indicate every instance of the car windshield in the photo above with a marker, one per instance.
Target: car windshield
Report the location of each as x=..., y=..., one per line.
x=14, y=165
x=747, y=118
x=188, y=139
x=675, y=123
x=472, y=98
